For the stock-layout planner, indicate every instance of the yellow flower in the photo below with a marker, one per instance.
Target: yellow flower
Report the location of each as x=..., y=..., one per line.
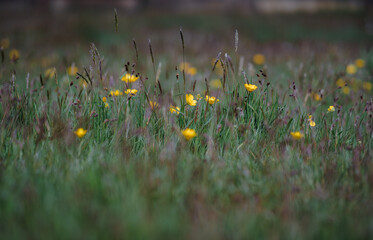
x=360, y=63
x=331, y=109
x=216, y=83
x=351, y=69
x=106, y=104
x=317, y=97
x=190, y=100
x=312, y=123
x=189, y=133
x=72, y=70
x=259, y=59
x=104, y=99
x=80, y=132
x=14, y=54
x=111, y=93
x=198, y=97
x=340, y=82
x=50, y=72
x=132, y=92
x=346, y=90
x=211, y=100
x=297, y=135
x=367, y=86
x=174, y=109
x=117, y=93
x=153, y=105
x=250, y=87
x=129, y=78
x=188, y=68
x=4, y=44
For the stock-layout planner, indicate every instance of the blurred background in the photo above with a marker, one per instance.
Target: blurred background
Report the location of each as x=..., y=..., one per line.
x=196, y=5
x=62, y=30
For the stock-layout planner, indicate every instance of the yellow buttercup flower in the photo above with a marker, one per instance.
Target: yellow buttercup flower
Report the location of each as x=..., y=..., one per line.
x=190, y=100
x=153, y=105
x=188, y=68
x=317, y=97
x=216, y=83
x=129, y=78
x=117, y=93
x=351, y=69
x=4, y=44
x=14, y=55
x=174, y=109
x=250, y=87
x=346, y=90
x=259, y=59
x=331, y=109
x=189, y=133
x=340, y=82
x=211, y=100
x=360, y=63
x=72, y=70
x=104, y=99
x=132, y=92
x=311, y=122
x=80, y=132
x=367, y=86
x=50, y=72
x=106, y=105
x=297, y=135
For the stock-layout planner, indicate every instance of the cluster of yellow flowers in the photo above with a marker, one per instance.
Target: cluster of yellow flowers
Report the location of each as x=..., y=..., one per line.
x=353, y=67
x=14, y=54
x=355, y=84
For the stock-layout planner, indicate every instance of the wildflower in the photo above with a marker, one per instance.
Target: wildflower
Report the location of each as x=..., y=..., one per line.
x=14, y=55
x=360, y=63
x=129, y=78
x=351, y=69
x=104, y=99
x=250, y=87
x=331, y=109
x=367, y=86
x=189, y=133
x=317, y=97
x=80, y=132
x=50, y=72
x=153, y=105
x=72, y=70
x=346, y=90
x=198, y=97
x=216, y=83
x=340, y=82
x=131, y=92
x=297, y=135
x=259, y=59
x=188, y=68
x=106, y=105
x=174, y=109
x=117, y=93
x=190, y=100
x=4, y=43
x=211, y=100
x=311, y=122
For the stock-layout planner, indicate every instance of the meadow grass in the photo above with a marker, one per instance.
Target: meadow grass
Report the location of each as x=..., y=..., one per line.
x=133, y=175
